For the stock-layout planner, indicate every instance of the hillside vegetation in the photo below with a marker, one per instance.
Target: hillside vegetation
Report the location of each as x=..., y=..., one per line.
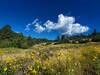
x=9, y=38
x=60, y=59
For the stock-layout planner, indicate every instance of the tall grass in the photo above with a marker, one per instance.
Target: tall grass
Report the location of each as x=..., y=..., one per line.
x=62, y=59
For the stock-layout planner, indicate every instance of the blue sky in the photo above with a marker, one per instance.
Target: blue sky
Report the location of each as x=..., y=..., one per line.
x=19, y=13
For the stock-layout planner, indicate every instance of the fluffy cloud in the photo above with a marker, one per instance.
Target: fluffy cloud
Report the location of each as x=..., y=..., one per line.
x=62, y=22
x=30, y=24
x=27, y=27
x=39, y=28
x=75, y=29
x=65, y=24
x=35, y=21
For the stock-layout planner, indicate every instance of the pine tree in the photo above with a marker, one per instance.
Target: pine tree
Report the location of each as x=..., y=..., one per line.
x=30, y=41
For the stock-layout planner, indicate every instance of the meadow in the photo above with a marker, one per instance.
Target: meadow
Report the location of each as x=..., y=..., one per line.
x=51, y=59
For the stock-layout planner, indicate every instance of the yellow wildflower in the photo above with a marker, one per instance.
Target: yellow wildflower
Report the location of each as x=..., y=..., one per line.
x=72, y=70
x=9, y=60
x=5, y=69
x=1, y=52
x=34, y=71
x=94, y=58
x=30, y=67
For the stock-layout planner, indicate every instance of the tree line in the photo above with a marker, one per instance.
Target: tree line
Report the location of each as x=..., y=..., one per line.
x=80, y=38
x=9, y=38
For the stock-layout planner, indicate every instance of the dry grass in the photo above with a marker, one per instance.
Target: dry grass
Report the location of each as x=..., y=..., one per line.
x=61, y=59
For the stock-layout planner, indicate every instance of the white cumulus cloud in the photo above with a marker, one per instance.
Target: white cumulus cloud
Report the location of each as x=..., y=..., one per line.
x=63, y=21
x=39, y=28
x=65, y=24
x=75, y=29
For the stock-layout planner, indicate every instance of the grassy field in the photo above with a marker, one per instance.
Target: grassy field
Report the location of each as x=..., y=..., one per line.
x=61, y=59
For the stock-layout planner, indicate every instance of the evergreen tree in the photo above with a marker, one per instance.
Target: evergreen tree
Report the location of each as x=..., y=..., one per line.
x=30, y=41
x=9, y=38
x=58, y=38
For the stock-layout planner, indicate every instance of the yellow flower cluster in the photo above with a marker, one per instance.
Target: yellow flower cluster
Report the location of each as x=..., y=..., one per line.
x=9, y=60
x=61, y=59
x=1, y=52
